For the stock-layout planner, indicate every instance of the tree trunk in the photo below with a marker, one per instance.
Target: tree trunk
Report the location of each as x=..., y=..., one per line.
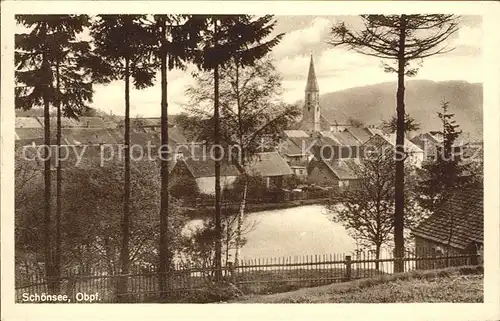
x=241, y=215
x=218, y=231
x=400, y=132
x=241, y=212
x=165, y=257
x=57, y=257
x=49, y=274
x=377, y=256
x=124, y=255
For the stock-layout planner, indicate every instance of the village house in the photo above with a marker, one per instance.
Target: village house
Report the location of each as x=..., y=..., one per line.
x=202, y=171
x=27, y=130
x=414, y=155
x=333, y=172
x=270, y=166
x=454, y=229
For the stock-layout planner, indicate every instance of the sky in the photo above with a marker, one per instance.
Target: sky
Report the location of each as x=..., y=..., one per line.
x=336, y=68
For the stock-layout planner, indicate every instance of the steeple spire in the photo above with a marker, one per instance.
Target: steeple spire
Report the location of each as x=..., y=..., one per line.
x=312, y=83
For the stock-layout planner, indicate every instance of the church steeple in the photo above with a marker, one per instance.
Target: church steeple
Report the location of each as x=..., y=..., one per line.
x=311, y=111
x=312, y=83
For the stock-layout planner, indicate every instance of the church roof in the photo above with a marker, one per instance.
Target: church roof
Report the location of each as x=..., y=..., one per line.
x=312, y=83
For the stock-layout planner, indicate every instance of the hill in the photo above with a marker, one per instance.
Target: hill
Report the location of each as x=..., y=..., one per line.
x=371, y=104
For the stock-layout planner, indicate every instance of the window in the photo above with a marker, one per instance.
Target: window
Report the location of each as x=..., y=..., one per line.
x=301, y=171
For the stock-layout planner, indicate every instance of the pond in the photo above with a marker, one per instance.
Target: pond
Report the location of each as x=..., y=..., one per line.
x=297, y=231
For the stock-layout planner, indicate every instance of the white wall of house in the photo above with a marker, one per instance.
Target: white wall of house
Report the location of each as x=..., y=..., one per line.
x=416, y=158
x=207, y=184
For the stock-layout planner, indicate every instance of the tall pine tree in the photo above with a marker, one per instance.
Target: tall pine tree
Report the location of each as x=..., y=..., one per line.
x=445, y=172
x=177, y=38
x=401, y=40
x=50, y=71
x=243, y=39
x=125, y=43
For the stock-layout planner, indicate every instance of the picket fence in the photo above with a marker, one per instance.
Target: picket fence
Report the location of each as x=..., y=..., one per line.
x=258, y=276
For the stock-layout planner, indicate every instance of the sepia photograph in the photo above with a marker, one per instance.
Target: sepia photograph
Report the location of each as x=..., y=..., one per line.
x=248, y=158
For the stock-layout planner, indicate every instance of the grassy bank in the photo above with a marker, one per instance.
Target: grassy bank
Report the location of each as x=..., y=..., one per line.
x=458, y=284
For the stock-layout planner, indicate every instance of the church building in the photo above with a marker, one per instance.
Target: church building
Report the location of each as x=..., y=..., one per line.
x=314, y=119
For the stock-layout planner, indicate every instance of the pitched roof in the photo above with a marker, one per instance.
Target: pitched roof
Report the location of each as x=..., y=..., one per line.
x=361, y=134
x=312, y=82
x=295, y=133
x=84, y=136
x=344, y=138
x=206, y=167
x=175, y=135
x=29, y=133
x=92, y=122
x=145, y=122
x=269, y=164
x=333, y=117
x=461, y=216
x=27, y=122
x=289, y=148
x=302, y=142
x=342, y=168
x=391, y=139
x=409, y=146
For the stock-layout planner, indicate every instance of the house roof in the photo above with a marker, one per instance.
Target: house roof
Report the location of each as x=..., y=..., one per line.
x=24, y=133
x=175, y=135
x=206, y=167
x=344, y=138
x=361, y=134
x=92, y=122
x=333, y=117
x=27, y=122
x=391, y=139
x=425, y=141
x=269, y=164
x=344, y=169
x=409, y=146
x=461, y=216
x=302, y=142
x=295, y=133
x=84, y=136
x=289, y=148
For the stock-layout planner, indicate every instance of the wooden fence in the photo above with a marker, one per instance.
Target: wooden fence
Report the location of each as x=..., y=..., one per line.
x=259, y=276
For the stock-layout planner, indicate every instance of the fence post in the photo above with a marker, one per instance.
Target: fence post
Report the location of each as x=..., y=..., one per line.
x=348, y=267
x=230, y=270
x=474, y=259
x=70, y=291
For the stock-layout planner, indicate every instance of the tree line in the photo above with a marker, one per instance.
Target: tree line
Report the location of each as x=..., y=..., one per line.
x=57, y=65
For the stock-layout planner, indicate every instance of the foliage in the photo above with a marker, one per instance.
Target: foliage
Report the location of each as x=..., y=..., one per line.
x=256, y=187
x=250, y=104
x=199, y=242
x=56, y=38
x=402, y=41
x=367, y=210
x=92, y=208
x=355, y=122
x=380, y=36
x=243, y=40
x=410, y=124
x=184, y=188
x=446, y=172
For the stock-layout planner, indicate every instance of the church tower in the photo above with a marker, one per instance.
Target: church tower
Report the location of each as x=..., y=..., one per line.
x=311, y=110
